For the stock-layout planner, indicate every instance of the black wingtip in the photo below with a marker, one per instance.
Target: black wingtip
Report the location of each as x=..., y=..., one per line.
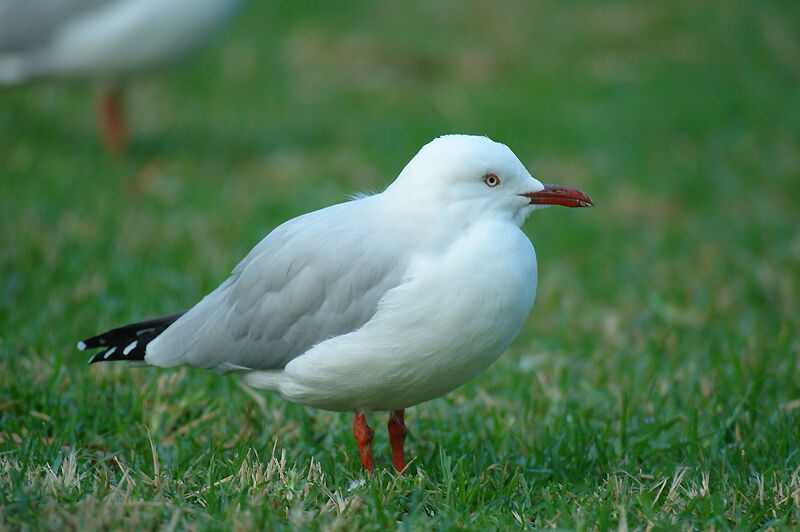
x=128, y=342
x=108, y=355
x=95, y=341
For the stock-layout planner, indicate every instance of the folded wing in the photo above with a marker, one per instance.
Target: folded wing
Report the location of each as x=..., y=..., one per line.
x=313, y=278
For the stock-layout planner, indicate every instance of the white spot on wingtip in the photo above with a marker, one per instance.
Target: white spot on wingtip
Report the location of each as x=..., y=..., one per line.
x=130, y=347
x=81, y=346
x=109, y=352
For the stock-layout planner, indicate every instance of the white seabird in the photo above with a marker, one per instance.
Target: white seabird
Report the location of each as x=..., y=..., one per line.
x=103, y=40
x=379, y=303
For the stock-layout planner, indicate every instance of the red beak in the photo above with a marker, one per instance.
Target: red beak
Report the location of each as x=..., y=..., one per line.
x=559, y=195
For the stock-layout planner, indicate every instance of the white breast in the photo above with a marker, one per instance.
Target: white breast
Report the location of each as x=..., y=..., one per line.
x=456, y=313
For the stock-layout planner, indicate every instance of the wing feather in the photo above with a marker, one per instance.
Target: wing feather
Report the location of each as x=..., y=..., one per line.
x=315, y=277
x=29, y=24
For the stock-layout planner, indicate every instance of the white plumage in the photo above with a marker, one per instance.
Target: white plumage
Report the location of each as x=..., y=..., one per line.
x=382, y=302
x=379, y=303
x=101, y=38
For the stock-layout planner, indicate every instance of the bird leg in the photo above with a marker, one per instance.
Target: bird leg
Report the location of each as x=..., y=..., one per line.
x=112, y=119
x=364, y=435
x=397, y=437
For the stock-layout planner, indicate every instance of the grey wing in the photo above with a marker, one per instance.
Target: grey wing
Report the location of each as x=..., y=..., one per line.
x=314, y=278
x=26, y=25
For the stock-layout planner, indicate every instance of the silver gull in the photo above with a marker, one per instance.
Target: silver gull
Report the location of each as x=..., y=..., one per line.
x=376, y=304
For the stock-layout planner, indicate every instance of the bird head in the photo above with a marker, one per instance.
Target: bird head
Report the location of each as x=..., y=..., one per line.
x=480, y=175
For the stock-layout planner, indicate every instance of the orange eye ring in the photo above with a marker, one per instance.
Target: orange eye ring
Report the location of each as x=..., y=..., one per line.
x=491, y=180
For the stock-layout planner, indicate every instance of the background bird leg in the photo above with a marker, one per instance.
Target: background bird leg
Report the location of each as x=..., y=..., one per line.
x=397, y=437
x=364, y=434
x=111, y=119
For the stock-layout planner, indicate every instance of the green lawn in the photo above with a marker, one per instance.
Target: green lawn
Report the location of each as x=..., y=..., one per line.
x=655, y=384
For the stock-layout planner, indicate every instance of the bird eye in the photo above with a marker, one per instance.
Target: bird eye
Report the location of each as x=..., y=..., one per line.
x=491, y=180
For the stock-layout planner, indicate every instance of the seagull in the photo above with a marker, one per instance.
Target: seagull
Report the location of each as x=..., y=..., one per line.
x=103, y=40
x=376, y=304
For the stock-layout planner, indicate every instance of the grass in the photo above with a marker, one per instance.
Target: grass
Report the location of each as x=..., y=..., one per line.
x=656, y=384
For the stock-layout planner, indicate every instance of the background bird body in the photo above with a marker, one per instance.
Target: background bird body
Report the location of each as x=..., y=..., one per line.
x=104, y=41
x=101, y=39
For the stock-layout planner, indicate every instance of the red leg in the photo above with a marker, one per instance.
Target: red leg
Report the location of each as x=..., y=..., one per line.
x=112, y=120
x=397, y=437
x=364, y=435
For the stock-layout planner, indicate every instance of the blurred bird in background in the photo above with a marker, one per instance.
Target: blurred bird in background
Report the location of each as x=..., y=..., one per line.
x=102, y=40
